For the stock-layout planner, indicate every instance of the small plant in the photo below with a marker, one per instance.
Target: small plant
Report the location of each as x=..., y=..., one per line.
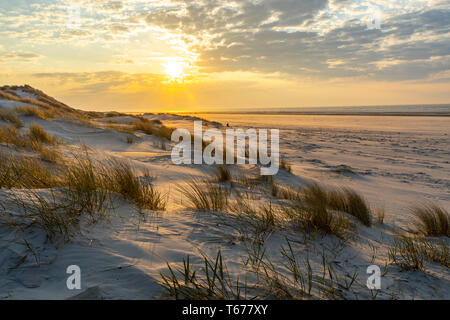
x=343, y=200
x=438, y=251
x=431, y=220
x=318, y=219
x=285, y=193
x=150, y=128
x=407, y=254
x=285, y=165
x=380, y=213
x=36, y=133
x=20, y=171
x=86, y=185
x=223, y=173
x=205, y=195
x=51, y=211
x=9, y=134
x=49, y=155
x=213, y=282
x=11, y=117
x=31, y=111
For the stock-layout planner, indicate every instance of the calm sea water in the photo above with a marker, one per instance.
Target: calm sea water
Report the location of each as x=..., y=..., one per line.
x=442, y=109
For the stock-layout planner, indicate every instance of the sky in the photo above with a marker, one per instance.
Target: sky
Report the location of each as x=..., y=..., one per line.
x=152, y=55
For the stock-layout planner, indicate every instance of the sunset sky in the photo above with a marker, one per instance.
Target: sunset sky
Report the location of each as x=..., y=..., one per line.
x=136, y=55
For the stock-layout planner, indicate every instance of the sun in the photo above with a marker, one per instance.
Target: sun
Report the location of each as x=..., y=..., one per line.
x=175, y=69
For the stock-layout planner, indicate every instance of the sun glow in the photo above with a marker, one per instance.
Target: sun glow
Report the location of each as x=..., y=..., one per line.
x=175, y=70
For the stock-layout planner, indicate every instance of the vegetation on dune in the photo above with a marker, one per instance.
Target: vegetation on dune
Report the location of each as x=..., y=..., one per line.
x=205, y=195
x=75, y=188
x=153, y=128
x=38, y=134
x=343, y=200
x=11, y=117
x=431, y=220
x=223, y=173
x=31, y=111
x=124, y=180
x=212, y=282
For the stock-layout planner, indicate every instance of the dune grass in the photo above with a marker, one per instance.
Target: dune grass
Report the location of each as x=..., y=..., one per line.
x=407, y=254
x=87, y=185
x=10, y=116
x=431, y=220
x=53, y=212
x=38, y=134
x=255, y=221
x=315, y=219
x=152, y=128
x=343, y=200
x=212, y=282
x=26, y=172
x=124, y=180
x=31, y=111
x=411, y=253
x=9, y=135
x=285, y=193
x=205, y=195
x=223, y=173
x=285, y=165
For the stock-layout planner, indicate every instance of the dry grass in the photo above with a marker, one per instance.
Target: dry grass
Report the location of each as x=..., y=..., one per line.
x=9, y=135
x=53, y=212
x=438, y=252
x=285, y=193
x=31, y=111
x=50, y=154
x=78, y=188
x=343, y=200
x=315, y=219
x=38, y=134
x=87, y=185
x=18, y=171
x=298, y=280
x=212, y=282
x=223, y=173
x=255, y=221
x=119, y=127
x=205, y=195
x=124, y=180
x=153, y=129
x=380, y=214
x=285, y=165
x=407, y=254
x=11, y=117
x=431, y=220
x=412, y=253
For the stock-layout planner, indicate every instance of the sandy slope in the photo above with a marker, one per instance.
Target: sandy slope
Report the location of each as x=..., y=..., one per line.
x=121, y=257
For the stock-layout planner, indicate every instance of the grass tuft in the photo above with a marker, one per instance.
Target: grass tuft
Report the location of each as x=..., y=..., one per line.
x=223, y=173
x=431, y=220
x=37, y=133
x=205, y=195
x=11, y=117
x=212, y=282
x=343, y=200
x=125, y=181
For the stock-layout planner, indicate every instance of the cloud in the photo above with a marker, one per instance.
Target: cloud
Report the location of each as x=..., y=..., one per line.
x=280, y=36
x=308, y=39
x=18, y=56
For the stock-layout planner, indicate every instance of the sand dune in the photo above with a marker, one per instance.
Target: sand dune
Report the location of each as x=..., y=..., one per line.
x=392, y=163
